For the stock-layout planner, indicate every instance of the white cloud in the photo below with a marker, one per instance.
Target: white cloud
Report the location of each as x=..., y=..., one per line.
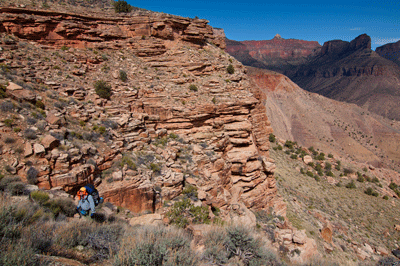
x=355, y=29
x=382, y=41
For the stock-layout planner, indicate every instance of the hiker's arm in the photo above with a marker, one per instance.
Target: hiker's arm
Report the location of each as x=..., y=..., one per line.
x=91, y=202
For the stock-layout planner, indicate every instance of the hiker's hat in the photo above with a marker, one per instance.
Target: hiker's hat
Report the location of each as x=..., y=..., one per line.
x=83, y=189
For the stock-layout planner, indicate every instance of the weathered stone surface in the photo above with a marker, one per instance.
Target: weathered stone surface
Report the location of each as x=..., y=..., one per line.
x=148, y=219
x=307, y=159
x=38, y=149
x=326, y=233
x=28, y=151
x=49, y=142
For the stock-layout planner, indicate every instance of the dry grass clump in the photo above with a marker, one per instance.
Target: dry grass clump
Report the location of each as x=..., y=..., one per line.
x=149, y=245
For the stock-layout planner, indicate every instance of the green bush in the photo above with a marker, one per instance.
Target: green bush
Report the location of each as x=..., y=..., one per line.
x=320, y=157
x=272, y=137
x=360, y=179
x=371, y=192
x=193, y=87
x=40, y=104
x=293, y=156
x=103, y=89
x=183, y=212
x=65, y=206
x=123, y=76
x=39, y=196
x=351, y=185
x=3, y=93
x=310, y=174
x=8, y=122
x=230, y=69
x=122, y=6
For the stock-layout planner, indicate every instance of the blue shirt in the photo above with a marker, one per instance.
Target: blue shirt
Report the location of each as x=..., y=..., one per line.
x=87, y=203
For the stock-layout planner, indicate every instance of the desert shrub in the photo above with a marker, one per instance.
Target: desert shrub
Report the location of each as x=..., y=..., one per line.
x=184, y=212
x=237, y=246
x=39, y=196
x=328, y=166
x=230, y=69
x=123, y=76
x=347, y=171
x=289, y=144
x=31, y=120
x=8, y=122
x=360, y=179
x=320, y=157
x=18, y=253
x=103, y=89
x=338, y=165
x=30, y=134
x=104, y=240
x=155, y=168
x=7, y=106
x=193, y=87
x=351, y=185
x=310, y=174
x=329, y=173
x=375, y=180
x=109, y=124
x=317, y=177
x=386, y=197
x=330, y=155
x=293, y=156
x=148, y=245
x=73, y=234
x=371, y=192
x=190, y=192
x=65, y=206
x=272, y=137
x=126, y=160
x=3, y=93
x=31, y=175
x=122, y=6
x=17, y=129
x=318, y=167
x=9, y=140
x=40, y=104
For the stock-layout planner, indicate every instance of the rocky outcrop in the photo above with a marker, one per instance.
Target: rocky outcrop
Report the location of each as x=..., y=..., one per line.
x=77, y=30
x=180, y=120
x=390, y=51
x=277, y=54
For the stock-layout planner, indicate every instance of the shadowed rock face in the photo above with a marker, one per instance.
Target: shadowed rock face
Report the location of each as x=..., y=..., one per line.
x=390, y=51
x=277, y=54
x=222, y=124
x=352, y=72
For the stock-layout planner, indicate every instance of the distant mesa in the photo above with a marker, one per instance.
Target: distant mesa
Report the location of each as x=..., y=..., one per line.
x=277, y=54
x=352, y=72
x=390, y=51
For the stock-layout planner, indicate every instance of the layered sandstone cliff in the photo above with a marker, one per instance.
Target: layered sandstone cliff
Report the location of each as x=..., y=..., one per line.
x=278, y=54
x=212, y=135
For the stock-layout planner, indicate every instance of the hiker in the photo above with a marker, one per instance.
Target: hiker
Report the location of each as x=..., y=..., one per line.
x=86, y=203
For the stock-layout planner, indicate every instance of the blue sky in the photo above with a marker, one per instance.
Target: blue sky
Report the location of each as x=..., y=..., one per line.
x=306, y=20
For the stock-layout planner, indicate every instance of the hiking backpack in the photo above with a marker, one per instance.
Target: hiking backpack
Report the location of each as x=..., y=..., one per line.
x=91, y=190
